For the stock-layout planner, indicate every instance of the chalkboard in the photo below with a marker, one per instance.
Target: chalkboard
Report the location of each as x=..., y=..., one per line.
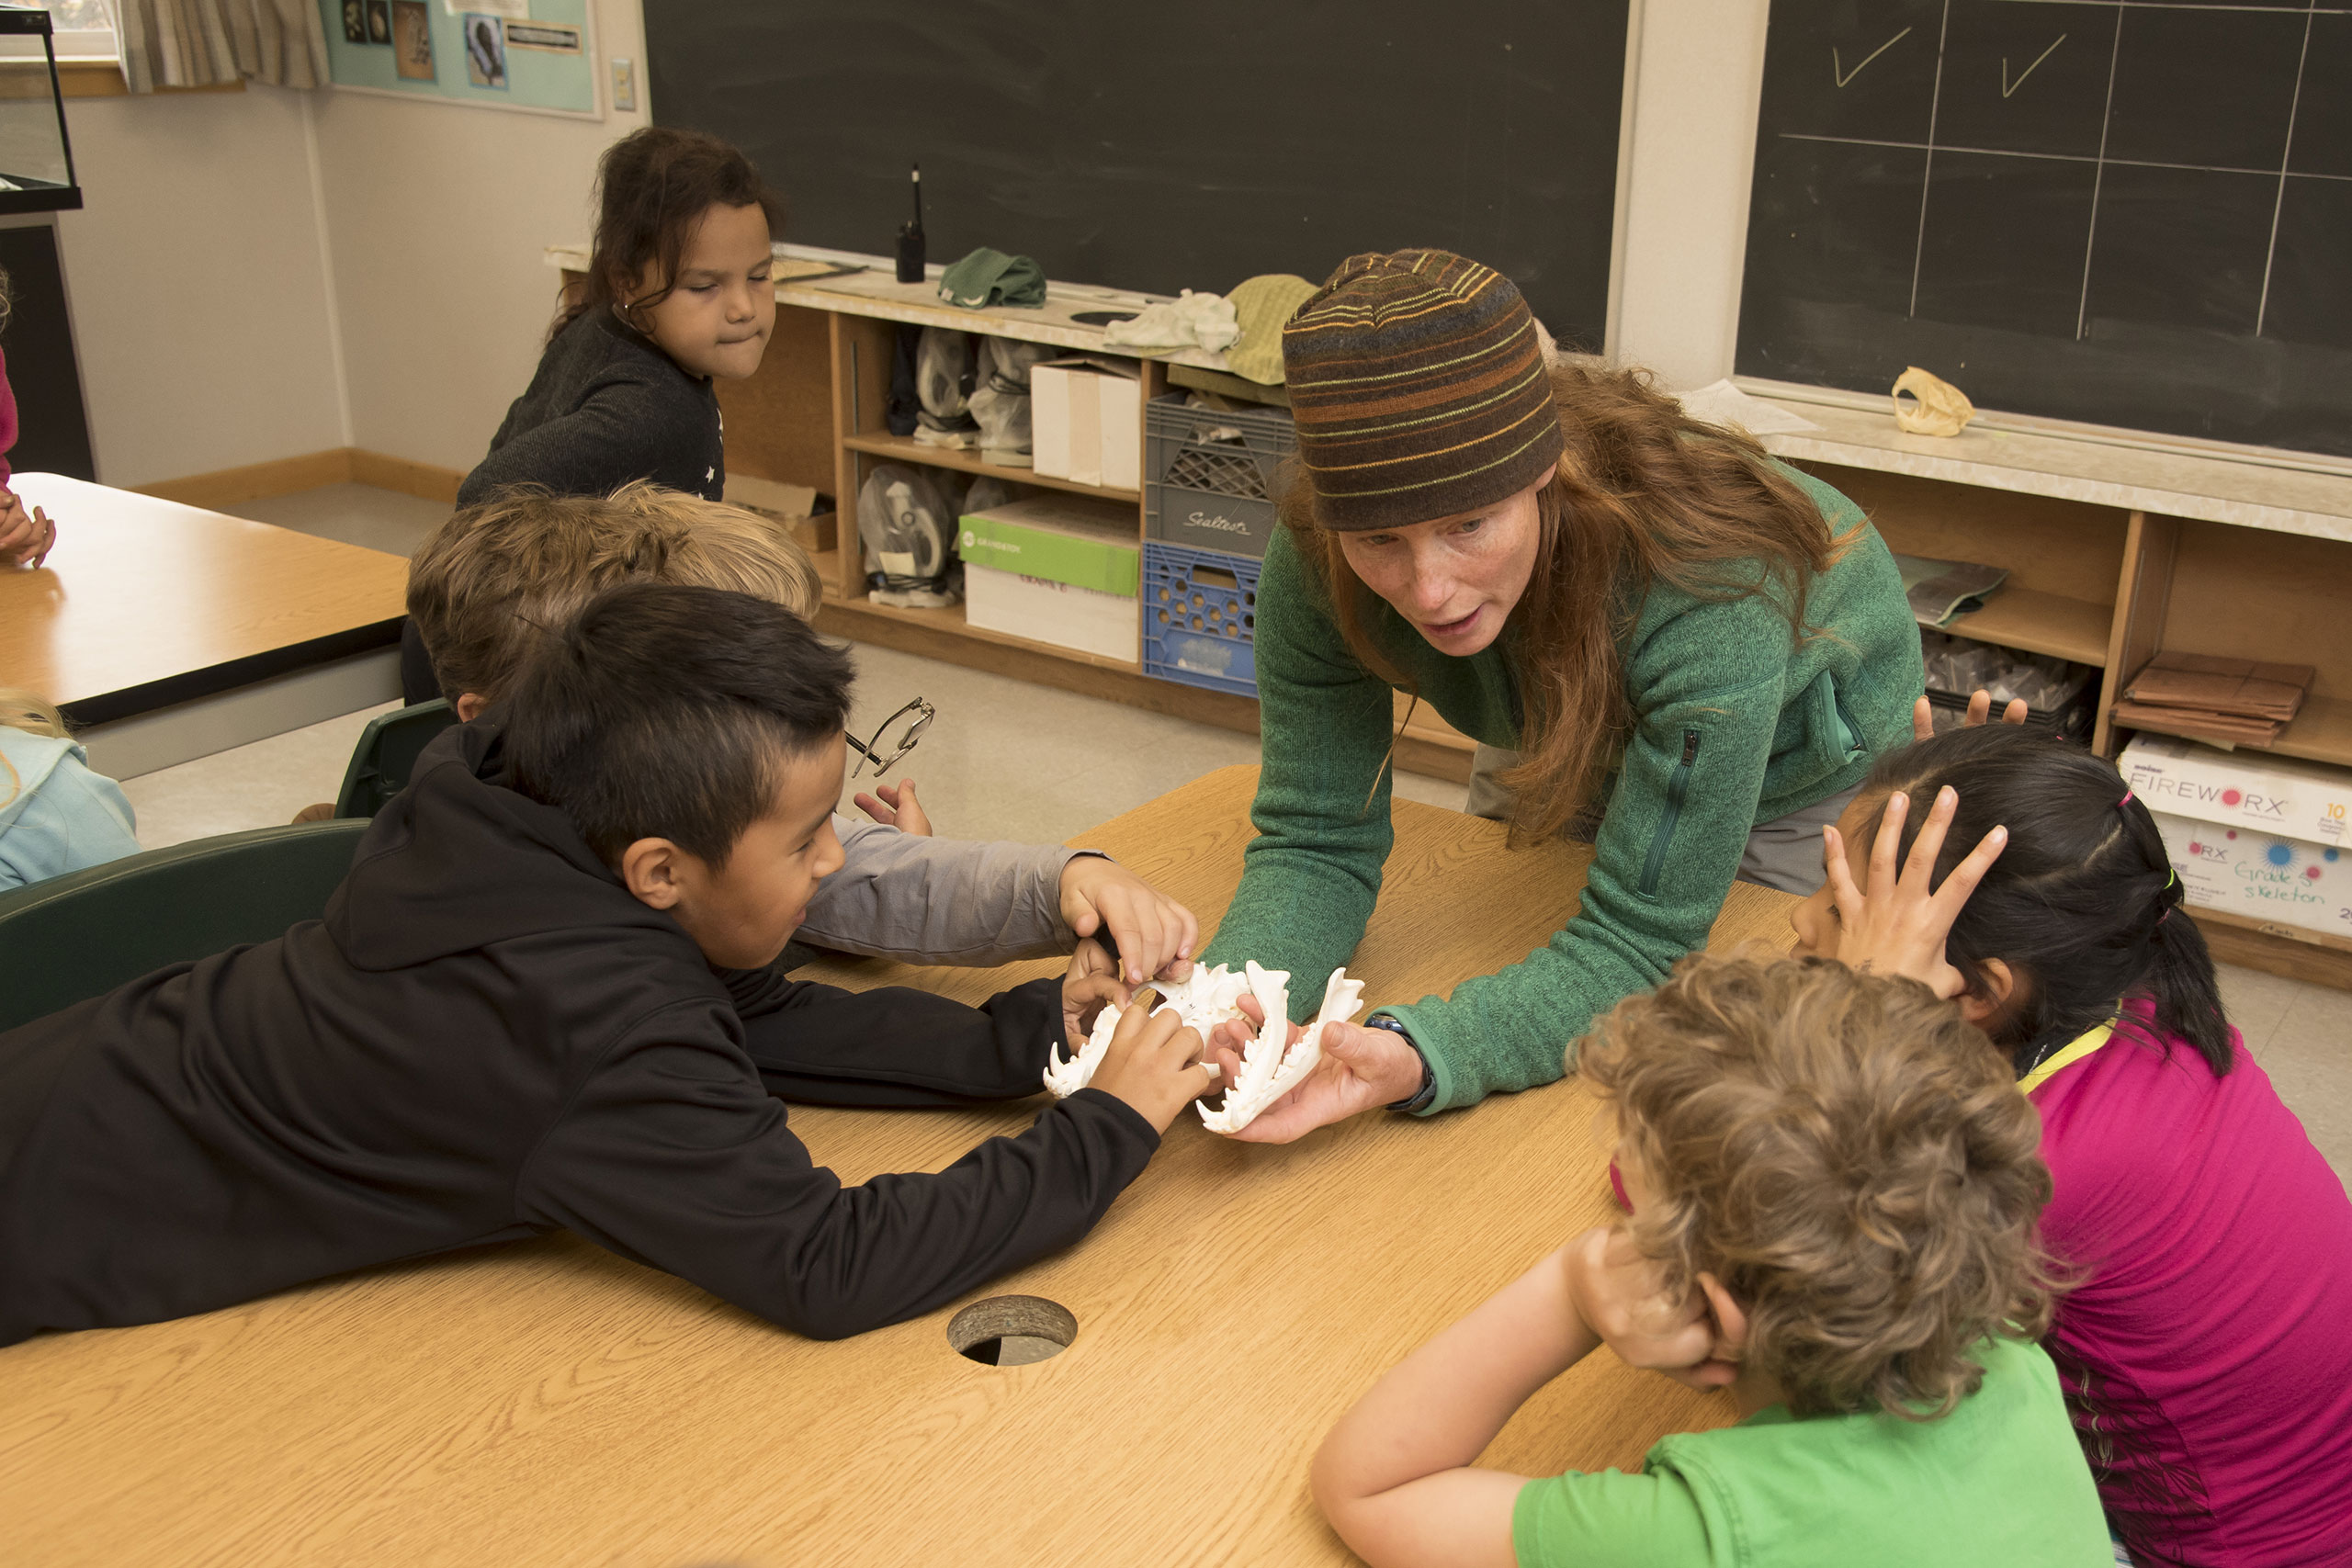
x=1160, y=148
x=2132, y=214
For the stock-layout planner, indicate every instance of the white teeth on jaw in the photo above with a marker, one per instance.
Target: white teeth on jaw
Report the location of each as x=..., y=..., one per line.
x=1211, y=997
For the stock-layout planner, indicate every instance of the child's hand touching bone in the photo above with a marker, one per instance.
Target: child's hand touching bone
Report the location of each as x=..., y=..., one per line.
x=1154, y=1064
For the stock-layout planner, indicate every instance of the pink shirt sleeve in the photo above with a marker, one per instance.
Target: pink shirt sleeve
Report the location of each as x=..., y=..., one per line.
x=7, y=419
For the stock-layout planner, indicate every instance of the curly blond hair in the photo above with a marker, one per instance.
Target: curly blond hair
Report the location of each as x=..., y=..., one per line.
x=1853, y=1161
x=496, y=577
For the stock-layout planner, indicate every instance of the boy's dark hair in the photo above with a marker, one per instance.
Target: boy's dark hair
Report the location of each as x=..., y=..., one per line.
x=2083, y=903
x=669, y=712
x=1849, y=1156
x=653, y=186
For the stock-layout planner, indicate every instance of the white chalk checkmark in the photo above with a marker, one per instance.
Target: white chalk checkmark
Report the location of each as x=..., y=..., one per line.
x=2008, y=87
x=1844, y=77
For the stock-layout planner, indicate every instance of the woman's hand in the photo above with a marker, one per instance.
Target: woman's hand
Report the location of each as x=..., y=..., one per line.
x=895, y=805
x=24, y=536
x=1154, y=933
x=1979, y=708
x=1362, y=1069
x=1899, y=927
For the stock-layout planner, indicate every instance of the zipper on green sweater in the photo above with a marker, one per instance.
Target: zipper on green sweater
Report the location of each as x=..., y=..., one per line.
x=1676, y=788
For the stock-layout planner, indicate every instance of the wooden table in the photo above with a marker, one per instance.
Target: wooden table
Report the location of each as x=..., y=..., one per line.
x=547, y=1403
x=165, y=631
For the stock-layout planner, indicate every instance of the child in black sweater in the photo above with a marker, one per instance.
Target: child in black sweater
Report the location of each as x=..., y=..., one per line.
x=679, y=292
x=527, y=1009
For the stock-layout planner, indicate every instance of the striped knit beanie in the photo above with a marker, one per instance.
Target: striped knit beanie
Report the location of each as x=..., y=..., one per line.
x=1419, y=391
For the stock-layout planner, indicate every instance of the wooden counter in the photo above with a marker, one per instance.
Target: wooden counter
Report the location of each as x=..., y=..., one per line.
x=547, y=1403
x=145, y=605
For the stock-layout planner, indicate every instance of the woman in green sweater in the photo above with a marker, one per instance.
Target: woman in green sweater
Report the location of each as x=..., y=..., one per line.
x=1695, y=650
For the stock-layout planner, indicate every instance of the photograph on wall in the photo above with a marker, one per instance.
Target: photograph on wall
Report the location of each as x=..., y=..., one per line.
x=379, y=21
x=354, y=21
x=485, y=51
x=413, y=40
x=549, y=38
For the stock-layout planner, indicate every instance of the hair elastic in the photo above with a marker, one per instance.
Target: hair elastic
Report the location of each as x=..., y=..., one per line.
x=2126, y=800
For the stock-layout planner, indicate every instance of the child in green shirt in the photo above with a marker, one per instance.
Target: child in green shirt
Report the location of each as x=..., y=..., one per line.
x=1835, y=1187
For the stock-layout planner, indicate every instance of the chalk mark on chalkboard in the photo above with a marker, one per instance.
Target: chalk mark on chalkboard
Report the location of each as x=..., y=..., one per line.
x=2008, y=87
x=2090, y=238
x=1844, y=77
x=2286, y=156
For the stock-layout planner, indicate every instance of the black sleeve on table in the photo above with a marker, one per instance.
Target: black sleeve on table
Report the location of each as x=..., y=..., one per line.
x=670, y=1155
x=823, y=1045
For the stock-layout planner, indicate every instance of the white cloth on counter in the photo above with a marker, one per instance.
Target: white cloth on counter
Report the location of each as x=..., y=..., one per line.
x=1190, y=320
x=1720, y=402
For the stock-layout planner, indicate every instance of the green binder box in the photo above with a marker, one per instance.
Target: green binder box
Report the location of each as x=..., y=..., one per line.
x=1062, y=539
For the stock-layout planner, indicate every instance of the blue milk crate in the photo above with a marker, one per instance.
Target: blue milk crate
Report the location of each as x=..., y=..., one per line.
x=1200, y=617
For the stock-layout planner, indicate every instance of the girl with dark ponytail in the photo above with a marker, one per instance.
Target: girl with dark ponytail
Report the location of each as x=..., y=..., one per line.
x=2207, y=1350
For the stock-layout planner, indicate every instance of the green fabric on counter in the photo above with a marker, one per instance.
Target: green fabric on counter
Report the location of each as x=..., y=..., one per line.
x=1734, y=726
x=988, y=278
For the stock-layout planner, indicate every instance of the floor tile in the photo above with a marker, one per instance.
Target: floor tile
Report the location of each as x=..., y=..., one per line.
x=2309, y=1058
x=355, y=514
x=258, y=785
x=2255, y=1001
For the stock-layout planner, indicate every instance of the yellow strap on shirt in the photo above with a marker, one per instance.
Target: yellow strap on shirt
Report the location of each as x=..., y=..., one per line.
x=2068, y=1056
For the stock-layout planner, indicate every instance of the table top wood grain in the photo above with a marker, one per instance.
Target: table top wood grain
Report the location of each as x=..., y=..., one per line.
x=146, y=602
x=547, y=1403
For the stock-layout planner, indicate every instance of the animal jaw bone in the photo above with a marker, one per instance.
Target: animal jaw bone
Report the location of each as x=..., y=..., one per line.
x=1202, y=999
x=1268, y=1071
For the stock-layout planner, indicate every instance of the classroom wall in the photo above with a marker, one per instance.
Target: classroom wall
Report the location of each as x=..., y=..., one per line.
x=1697, y=78
x=198, y=287
x=440, y=213
x=227, y=315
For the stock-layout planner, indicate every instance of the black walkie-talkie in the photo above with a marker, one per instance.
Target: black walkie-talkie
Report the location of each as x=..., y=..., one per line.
x=910, y=237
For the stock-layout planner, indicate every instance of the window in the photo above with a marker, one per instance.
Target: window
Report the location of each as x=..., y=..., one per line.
x=84, y=29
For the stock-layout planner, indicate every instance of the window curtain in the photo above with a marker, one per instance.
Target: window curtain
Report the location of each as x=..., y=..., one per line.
x=199, y=43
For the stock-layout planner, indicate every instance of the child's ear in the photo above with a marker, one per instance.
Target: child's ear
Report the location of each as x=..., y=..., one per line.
x=1731, y=1319
x=650, y=869
x=1998, y=982
x=468, y=706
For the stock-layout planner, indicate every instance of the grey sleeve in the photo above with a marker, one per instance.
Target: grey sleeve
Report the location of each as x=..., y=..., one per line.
x=940, y=900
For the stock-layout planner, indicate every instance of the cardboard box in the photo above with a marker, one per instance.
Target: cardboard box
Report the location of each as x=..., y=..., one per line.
x=2282, y=795
x=1058, y=538
x=2263, y=876
x=1106, y=624
x=1120, y=430
x=1066, y=421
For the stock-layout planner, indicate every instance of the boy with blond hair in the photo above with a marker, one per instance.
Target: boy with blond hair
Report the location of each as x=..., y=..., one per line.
x=1834, y=1187
x=485, y=586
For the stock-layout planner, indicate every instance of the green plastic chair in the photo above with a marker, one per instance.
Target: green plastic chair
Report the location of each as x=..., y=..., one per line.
x=82, y=934
x=387, y=754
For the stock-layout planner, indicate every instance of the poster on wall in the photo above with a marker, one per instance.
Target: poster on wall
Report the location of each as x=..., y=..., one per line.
x=413, y=40
x=485, y=51
x=533, y=56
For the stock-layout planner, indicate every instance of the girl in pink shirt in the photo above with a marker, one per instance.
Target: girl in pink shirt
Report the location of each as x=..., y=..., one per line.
x=2207, y=1351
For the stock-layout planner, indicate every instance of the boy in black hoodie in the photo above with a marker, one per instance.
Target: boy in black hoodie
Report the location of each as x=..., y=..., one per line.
x=526, y=1009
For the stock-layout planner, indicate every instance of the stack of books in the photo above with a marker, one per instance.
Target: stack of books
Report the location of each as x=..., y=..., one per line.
x=2231, y=702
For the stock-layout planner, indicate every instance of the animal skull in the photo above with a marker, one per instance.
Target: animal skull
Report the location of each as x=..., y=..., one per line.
x=1211, y=997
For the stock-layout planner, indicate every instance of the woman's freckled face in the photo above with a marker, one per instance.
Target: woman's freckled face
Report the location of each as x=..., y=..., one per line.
x=1456, y=579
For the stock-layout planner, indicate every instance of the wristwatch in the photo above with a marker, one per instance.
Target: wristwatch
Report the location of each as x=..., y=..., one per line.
x=1420, y=1099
